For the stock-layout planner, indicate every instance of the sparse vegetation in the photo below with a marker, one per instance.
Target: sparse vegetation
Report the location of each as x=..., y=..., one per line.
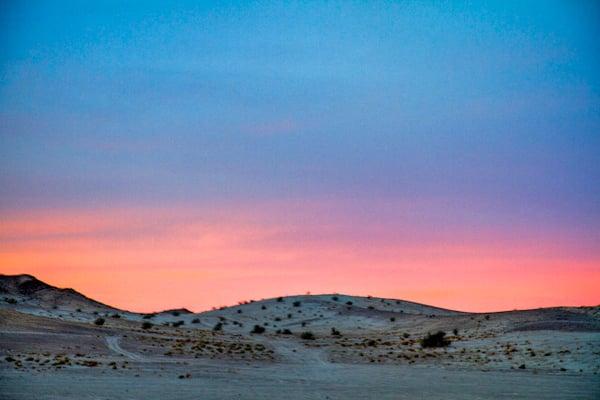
x=257, y=329
x=307, y=336
x=196, y=321
x=296, y=303
x=286, y=332
x=280, y=299
x=146, y=325
x=349, y=303
x=116, y=316
x=218, y=326
x=435, y=340
x=178, y=324
x=175, y=313
x=10, y=300
x=99, y=321
x=335, y=332
x=455, y=332
x=392, y=319
x=335, y=298
x=148, y=316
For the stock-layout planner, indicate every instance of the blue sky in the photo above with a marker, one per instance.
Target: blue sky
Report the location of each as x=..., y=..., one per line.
x=484, y=114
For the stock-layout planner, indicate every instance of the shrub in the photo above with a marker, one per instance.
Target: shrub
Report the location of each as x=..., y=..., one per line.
x=455, y=332
x=148, y=316
x=371, y=308
x=286, y=332
x=239, y=311
x=257, y=329
x=10, y=300
x=175, y=313
x=406, y=335
x=146, y=325
x=178, y=324
x=392, y=319
x=307, y=336
x=196, y=321
x=435, y=340
x=349, y=303
x=296, y=304
x=117, y=316
x=335, y=332
x=263, y=307
x=218, y=326
x=280, y=299
x=99, y=321
x=335, y=298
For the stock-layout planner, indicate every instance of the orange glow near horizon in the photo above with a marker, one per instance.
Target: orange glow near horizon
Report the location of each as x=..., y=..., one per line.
x=147, y=259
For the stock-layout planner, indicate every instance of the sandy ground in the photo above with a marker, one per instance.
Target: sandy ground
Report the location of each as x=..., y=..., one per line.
x=51, y=349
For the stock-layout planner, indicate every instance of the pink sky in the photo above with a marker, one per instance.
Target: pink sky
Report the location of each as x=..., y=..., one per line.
x=153, y=258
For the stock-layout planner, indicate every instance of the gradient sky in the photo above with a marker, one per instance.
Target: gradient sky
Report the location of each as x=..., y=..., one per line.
x=157, y=155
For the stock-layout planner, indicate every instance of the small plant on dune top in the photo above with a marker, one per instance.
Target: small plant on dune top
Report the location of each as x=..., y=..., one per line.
x=435, y=340
x=99, y=321
x=196, y=321
x=335, y=298
x=296, y=303
x=175, y=313
x=146, y=325
x=218, y=326
x=148, y=316
x=117, y=316
x=280, y=299
x=257, y=329
x=307, y=336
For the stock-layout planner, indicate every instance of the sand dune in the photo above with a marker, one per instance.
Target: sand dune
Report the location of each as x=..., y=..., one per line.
x=319, y=346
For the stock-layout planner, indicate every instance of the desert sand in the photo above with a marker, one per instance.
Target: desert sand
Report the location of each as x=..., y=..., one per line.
x=58, y=344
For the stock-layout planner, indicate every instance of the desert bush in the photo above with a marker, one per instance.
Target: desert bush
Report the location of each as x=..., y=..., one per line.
x=175, y=313
x=146, y=325
x=239, y=311
x=99, y=321
x=218, y=326
x=335, y=298
x=303, y=323
x=392, y=319
x=335, y=332
x=263, y=307
x=435, y=340
x=178, y=324
x=10, y=300
x=371, y=308
x=349, y=303
x=117, y=316
x=406, y=335
x=148, y=316
x=307, y=336
x=280, y=299
x=455, y=332
x=286, y=332
x=296, y=303
x=257, y=329
x=196, y=321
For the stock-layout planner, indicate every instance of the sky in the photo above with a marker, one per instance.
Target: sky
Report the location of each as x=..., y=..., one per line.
x=196, y=154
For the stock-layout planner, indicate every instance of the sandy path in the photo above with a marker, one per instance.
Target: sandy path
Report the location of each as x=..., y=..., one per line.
x=113, y=343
